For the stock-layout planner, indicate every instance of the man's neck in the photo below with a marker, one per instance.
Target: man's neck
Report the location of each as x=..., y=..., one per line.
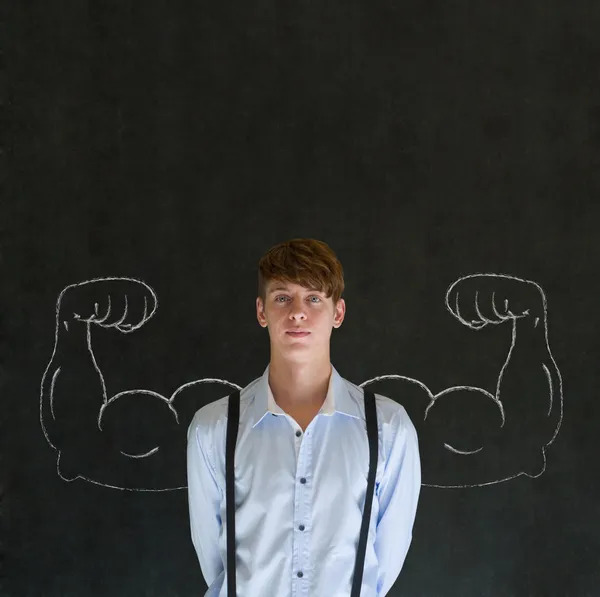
x=299, y=385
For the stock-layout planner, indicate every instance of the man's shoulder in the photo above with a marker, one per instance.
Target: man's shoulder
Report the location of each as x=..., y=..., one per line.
x=213, y=415
x=389, y=411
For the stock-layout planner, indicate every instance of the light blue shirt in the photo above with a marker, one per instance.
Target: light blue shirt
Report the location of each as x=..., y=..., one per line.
x=300, y=496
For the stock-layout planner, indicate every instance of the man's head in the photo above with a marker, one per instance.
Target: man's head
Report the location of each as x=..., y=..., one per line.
x=300, y=283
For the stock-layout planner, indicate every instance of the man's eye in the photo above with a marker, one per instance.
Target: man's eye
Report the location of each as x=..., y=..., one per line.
x=285, y=297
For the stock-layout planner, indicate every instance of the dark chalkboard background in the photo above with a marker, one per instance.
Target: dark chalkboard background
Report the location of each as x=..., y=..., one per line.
x=175, y=142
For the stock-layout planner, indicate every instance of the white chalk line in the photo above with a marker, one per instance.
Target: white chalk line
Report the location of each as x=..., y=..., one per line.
x=54, y=378
x=463, y=452
x=89, y=480
x=145, y=455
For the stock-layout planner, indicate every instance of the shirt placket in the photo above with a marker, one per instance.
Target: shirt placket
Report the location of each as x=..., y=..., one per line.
x=303, y=492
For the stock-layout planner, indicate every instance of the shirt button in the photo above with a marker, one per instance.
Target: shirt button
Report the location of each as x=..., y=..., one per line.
x=302, y=480
x=300, y=575
x=298, y=433
x=301, y=527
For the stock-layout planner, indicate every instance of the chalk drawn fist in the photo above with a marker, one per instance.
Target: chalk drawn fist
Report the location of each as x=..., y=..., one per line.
x=481, y=299
x=125, y=304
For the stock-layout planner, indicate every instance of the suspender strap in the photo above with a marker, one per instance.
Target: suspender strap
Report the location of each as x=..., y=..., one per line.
x=233, y=417
x=233, y=409
x=371, y=420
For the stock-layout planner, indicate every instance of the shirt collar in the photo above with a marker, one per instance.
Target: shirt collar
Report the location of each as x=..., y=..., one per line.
x=338, y=398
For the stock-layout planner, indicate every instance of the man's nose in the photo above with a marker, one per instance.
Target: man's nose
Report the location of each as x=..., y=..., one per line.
x=297, y=309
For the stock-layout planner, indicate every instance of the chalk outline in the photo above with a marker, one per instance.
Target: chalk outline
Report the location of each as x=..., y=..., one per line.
x=474, y=324
x=126, y=329
x=478, y=326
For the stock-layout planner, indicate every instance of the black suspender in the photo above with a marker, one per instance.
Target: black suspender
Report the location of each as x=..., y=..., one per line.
x=371, y=417
x=232, y=432
x=233, y=417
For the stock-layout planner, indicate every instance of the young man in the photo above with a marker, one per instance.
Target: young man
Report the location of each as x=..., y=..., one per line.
x=302, y=454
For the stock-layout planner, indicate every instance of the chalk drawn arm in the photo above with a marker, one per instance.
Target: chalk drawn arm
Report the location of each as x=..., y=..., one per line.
x=529, y=385
x=73, y=390
x=132, y=440
x=499, y=435
x=471, y=436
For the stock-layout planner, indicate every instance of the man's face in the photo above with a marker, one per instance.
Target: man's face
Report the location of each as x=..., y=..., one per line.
x=289, y=306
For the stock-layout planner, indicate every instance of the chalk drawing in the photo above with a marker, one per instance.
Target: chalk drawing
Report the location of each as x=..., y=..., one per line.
x=477, y=294
x=126, y=304
x=109, y=306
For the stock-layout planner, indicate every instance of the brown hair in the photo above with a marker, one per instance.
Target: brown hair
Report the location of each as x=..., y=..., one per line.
x=305, y=261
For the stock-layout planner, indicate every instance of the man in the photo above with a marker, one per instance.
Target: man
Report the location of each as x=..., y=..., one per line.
x=302, y=455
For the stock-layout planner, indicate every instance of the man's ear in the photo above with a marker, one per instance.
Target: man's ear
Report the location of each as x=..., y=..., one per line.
x=260, y=312
x=340, y=313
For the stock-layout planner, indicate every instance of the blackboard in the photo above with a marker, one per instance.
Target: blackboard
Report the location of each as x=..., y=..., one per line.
x=449, y=153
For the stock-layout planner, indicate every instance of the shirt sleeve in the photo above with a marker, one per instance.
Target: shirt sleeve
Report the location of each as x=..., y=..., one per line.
x=204, y=496
x=398, y=496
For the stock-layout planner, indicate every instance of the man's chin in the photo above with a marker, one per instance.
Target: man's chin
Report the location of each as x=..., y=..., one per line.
x=295, y=351
x=297, y=346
